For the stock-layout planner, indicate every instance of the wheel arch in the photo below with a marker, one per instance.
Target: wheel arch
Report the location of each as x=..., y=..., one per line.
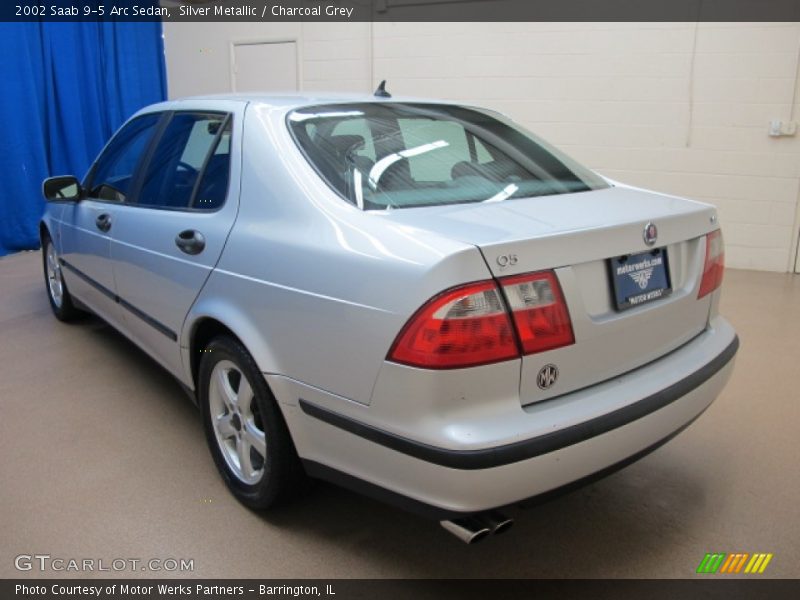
x=49, y=226
x=204, y=330
x=202, y=327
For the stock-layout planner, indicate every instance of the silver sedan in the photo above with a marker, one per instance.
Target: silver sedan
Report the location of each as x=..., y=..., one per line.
x=419, y=300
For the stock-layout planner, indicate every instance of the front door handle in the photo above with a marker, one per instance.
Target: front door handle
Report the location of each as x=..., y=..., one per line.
x=103, y=222
x=190, y=241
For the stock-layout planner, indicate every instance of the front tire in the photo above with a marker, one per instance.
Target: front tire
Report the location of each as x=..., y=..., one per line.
x=244, y=427
x=57, y=292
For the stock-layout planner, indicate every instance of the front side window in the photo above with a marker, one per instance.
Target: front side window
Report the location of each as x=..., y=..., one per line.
x=112, y=175
x=398, y=155
x=190, y=164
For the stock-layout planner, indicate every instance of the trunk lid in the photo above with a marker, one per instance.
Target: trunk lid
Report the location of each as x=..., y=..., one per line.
x=576, y=235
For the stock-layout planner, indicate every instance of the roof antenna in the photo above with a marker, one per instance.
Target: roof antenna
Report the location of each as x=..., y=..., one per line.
x=381, y=91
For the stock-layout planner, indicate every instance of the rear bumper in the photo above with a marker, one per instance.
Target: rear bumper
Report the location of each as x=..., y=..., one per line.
x=651, y=404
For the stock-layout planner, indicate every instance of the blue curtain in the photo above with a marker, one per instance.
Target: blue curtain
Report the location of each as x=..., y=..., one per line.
x=67, y=88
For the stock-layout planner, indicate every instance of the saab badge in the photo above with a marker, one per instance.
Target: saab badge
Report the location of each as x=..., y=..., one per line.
x=650, y=234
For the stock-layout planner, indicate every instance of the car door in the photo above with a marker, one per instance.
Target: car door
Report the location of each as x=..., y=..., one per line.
x=87, y=225
x=165, y=243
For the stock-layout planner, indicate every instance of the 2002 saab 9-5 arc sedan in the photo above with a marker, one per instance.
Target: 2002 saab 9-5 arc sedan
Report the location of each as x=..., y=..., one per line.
x=418, y=300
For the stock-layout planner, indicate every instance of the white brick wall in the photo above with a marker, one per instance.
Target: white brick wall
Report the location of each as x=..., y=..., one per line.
x=619, y=97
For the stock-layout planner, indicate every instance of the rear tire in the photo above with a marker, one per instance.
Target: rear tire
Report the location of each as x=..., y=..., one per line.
x=244, y=428
x=57, y=292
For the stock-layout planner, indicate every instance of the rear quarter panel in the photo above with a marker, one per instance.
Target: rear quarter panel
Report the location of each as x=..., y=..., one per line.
x=316, y=289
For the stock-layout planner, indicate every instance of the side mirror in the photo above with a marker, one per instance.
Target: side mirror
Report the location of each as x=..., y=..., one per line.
x=62, y=188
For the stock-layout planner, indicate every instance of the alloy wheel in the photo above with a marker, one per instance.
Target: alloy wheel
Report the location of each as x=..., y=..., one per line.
x=55, y=282
x=237, y=422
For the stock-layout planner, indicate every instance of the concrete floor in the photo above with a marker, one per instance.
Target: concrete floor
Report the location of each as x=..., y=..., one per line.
x=103, y=457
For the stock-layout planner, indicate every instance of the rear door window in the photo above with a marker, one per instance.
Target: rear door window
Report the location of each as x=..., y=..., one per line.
x=190, y=165
x=213, y=186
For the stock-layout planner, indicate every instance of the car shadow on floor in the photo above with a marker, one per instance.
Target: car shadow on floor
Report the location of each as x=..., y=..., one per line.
x=135, y=356
x=634, y=516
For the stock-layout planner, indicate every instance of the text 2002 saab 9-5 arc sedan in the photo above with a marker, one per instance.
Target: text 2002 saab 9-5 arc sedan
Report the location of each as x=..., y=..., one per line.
x=418, y=300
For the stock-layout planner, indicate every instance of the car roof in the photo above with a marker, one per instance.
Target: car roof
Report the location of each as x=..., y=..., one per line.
x=290, y=100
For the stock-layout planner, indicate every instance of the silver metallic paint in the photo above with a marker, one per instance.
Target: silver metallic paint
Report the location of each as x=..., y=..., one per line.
x=317, y=290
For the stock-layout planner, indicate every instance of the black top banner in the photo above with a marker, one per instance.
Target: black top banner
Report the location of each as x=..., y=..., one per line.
x=400, y=10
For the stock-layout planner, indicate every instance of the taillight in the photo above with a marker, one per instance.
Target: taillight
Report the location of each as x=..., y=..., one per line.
x=714, y=266
x=470, y=325
x=461, y=327
x=539, y=311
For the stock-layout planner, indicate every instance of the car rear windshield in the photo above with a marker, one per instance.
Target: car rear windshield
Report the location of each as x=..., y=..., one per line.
x=398, y=155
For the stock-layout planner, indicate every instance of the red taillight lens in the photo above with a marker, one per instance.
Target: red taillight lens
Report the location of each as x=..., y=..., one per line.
x=470, y=325
x=540, y=313
x=714, y=266
x=462, y=327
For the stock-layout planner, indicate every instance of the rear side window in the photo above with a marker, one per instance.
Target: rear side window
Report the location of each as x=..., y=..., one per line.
x=190, y=165
x=213, y=186
x=399, y=155
x=113, y=172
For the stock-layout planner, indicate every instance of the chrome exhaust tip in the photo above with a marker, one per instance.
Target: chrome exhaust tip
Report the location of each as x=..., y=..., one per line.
x=497, y=521
x=468, y=529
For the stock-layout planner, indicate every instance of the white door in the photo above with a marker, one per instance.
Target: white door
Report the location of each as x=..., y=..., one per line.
x=797, y=257
x=265, y=67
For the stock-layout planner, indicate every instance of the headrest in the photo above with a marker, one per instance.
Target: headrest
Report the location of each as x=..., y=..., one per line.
x=347, y=143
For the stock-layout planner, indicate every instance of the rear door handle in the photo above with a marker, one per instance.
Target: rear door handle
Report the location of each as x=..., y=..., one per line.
x=103, y=222
x=190, y=241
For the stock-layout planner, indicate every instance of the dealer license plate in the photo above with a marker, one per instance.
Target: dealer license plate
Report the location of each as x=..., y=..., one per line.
x=640, y=278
